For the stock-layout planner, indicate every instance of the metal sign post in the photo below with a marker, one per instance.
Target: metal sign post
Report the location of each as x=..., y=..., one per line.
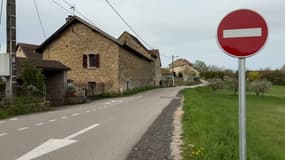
x=242, y=109
x=241, y=34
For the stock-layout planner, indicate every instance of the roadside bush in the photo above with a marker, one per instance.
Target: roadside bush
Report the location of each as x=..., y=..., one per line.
x=23, y=105
x=216, y=84
x=260, y=86
x=213, y=75
x=33, y=80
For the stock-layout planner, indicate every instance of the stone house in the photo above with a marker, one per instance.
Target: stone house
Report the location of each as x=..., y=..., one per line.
x=182, y=68
x=166, y=77
x=95, y=57
x=54, y=71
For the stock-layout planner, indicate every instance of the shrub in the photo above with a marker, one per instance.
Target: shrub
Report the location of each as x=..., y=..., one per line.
x=260, y=86
x=23, y=105
x=32, y=78
x=216, y=84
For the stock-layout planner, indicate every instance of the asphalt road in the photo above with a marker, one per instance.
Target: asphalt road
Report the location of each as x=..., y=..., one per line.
x=101, y=130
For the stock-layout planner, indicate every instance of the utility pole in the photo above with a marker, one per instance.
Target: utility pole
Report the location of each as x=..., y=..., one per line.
x=11, y=47
x=172, y=67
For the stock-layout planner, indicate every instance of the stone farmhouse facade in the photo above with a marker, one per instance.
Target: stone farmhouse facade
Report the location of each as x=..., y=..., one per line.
x=95, y=57
x=182, y=68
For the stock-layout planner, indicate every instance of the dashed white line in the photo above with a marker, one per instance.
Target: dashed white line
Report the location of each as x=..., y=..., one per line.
x=108, y=103
x=75, y=114
x=3, y=134
x=39, y=124
x=87, y=111
x=22, y=129
x=63, y=117
x=52, y=120
x=13, y=119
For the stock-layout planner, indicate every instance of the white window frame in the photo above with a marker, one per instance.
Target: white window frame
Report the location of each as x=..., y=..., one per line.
x=88, y=61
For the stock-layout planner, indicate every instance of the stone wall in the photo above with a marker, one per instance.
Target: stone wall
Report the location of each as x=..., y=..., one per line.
x=78, y=39
x=135, y=72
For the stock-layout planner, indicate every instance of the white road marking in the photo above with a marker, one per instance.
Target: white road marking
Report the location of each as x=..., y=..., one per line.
x=108, y=103
x=39, y=124
x=81, y=132
x=24, y=128
x=242, y=33
x=75, y=114
x=117, y=101
x=63, y=117
x=14, y=119
x=54, y=144
x=1, y=122
x=3, y=134
x=87, y=111
x=52, y=120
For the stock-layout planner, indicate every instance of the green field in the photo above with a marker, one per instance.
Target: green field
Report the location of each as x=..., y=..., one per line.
x=210, y=125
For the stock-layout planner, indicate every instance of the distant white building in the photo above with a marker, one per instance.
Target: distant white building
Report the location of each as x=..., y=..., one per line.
x=182, y=68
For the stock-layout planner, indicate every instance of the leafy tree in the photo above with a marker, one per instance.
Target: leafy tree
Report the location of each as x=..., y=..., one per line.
x=216, y=84
x=32, y=76
x=260, y=86
x=200, y=66
x=254, y=75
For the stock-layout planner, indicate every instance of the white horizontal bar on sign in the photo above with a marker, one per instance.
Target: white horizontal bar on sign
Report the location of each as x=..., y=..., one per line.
x=242, y=33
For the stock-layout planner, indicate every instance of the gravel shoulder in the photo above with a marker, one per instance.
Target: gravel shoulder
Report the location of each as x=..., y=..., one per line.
x=158, y=143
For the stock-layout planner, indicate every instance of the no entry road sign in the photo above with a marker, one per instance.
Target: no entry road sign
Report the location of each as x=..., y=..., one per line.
x=242, y=33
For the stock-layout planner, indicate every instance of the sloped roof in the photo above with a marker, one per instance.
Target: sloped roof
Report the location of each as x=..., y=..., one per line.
x=180, y=62
x=165, y=71
x=47, y=65
x=135, y=38
x=30, y=50
x=72, y=20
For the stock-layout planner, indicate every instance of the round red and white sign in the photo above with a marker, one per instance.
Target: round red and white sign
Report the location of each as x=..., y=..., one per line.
x=242, y=33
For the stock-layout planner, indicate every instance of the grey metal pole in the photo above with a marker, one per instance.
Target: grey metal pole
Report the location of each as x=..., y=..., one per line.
x=242, y=110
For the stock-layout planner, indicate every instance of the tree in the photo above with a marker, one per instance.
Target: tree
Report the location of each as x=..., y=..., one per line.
x=32, y=76
x=260, y=86
x=254, y=75
x=200, y=66
x=283, y=67
x=216, y=84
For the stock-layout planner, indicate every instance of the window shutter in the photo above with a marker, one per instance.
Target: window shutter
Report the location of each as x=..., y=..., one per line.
x=84, y=62
x=97, y=61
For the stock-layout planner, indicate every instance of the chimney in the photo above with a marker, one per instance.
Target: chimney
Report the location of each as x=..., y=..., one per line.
x=68, y=18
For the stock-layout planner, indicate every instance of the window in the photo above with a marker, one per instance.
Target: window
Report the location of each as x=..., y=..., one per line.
x=92, y=85
x=91, y=61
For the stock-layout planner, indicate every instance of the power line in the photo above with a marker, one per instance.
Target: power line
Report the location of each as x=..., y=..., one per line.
x=86, y=18
x=128, y=25
x=39, y=17
x=61, y=6
x=77, y=11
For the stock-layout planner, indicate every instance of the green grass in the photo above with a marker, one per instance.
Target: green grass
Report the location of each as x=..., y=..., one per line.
x=210, y=125
x=22, y=105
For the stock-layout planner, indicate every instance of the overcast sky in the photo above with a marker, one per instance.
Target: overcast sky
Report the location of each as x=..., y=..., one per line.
x=184, y=28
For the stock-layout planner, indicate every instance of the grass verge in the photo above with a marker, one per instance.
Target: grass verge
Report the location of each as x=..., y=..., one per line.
x=210, y=125
x=22, y=105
